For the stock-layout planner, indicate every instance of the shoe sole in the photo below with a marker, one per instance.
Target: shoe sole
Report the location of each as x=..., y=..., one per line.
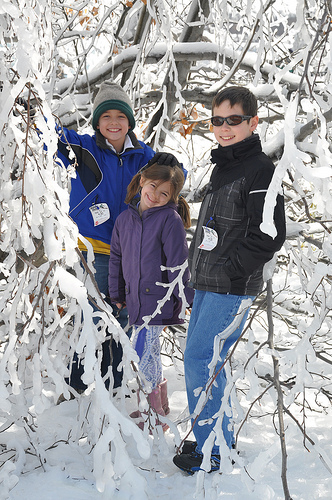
x=192, y=471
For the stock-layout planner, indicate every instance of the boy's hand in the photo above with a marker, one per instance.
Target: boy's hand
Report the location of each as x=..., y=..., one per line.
x=164, y=159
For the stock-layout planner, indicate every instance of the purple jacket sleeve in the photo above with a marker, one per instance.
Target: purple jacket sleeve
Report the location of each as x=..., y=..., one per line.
x=116, y=284
x=176, y=253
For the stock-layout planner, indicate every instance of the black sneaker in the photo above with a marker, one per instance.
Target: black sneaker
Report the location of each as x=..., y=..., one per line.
x=191, y=462
x=188, y=447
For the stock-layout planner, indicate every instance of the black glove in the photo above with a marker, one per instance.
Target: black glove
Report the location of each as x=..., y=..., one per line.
x=164, y=159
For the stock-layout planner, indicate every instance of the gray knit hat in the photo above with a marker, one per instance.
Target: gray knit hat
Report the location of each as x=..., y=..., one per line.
x=112, y=96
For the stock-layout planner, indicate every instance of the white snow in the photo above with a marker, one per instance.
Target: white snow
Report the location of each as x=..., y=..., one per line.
x=89, y=448
x=256, y=474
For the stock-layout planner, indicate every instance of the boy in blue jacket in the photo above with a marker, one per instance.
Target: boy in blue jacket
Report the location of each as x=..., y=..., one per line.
x=226, y=260
x=105, y=164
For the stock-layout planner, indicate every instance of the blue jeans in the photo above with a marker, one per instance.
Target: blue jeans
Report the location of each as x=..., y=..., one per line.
x=112, y=353
x=211, y=314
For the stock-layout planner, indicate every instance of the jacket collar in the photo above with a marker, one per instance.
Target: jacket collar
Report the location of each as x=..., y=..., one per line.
x=127, y=145
x=133, y=205
x=239, y=151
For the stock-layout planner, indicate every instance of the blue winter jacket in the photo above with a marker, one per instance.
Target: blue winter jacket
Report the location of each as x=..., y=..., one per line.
x=139, y=246
x=102, y=177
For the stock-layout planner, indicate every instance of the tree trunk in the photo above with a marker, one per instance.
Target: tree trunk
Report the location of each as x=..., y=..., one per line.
x=163, y=118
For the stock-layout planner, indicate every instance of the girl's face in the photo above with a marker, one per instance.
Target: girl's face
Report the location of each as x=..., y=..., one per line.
x=154, y=193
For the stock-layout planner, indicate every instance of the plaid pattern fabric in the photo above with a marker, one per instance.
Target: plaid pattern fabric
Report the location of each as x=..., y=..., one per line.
x=234, y=206
x=227, y=210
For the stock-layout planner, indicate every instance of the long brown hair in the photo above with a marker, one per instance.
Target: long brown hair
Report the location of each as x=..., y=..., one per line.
x=163, y=173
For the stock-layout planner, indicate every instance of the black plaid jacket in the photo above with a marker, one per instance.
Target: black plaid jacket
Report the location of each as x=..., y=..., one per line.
x=233, y=206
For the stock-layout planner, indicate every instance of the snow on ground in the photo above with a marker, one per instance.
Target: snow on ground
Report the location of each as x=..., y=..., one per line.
x=66, y=473
x=68, y=476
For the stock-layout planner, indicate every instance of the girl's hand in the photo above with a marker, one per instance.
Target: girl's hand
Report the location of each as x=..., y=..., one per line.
x=117, y=308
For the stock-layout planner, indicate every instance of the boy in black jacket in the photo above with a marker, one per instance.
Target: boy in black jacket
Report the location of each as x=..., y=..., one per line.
x=226, y=260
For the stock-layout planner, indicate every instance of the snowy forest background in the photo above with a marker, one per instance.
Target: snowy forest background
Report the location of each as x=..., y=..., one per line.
x=171, y=57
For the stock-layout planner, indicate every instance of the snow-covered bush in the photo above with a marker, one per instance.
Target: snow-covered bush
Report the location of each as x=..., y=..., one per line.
x=171, y=58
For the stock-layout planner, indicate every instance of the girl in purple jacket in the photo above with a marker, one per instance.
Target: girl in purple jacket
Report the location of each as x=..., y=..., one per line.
x=148, y=268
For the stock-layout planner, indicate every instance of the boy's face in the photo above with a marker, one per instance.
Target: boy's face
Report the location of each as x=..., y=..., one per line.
x=114, y=125
x=226, y=134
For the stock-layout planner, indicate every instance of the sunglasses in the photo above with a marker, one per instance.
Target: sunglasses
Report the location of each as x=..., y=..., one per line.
x=232, y=120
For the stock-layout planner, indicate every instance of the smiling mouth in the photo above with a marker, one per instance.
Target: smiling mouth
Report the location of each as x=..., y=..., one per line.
x=151, y=201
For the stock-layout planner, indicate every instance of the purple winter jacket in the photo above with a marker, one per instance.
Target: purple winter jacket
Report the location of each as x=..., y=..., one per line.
x=139, y=246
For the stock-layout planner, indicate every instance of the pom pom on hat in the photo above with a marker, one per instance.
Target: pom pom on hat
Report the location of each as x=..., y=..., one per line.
x=112, y=96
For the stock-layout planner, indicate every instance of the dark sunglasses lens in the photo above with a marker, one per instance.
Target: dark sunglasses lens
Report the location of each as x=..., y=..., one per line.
x=217, y=121
x=234, y=120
